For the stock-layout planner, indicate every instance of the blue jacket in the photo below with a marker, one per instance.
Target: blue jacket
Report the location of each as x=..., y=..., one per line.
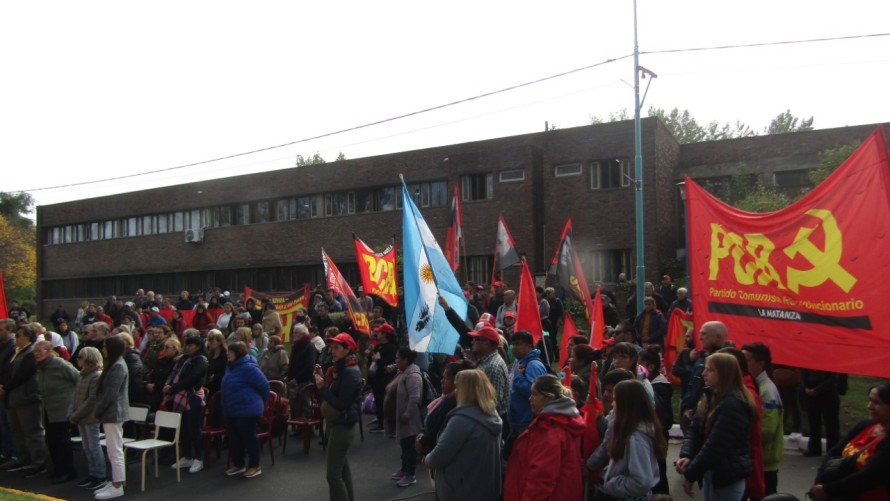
x=244, y=389
x=520, y=412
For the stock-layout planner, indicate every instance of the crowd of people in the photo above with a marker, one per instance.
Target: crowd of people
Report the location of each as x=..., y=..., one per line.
x=486, y=421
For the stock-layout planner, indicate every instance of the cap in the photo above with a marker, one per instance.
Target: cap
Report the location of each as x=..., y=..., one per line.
x=155, y=308
x=609, y=342
x=129, y=303
x=497, y=284
x=345, y=340
x=510, y=314
x=480, y=288
x=487, y=333
x=226, y=294
x=385, y=328
x=666, y=277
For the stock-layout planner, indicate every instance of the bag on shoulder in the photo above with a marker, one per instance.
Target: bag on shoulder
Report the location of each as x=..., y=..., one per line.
x=329, y=412
x=836, y=468
x=429, y=392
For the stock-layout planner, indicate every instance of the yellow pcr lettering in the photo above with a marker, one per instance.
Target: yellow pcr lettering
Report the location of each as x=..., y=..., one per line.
x=826, y=263
x=760, y=247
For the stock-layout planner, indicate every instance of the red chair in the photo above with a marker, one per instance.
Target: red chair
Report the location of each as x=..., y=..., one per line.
x=269, y=413
x=307, y=424
x=214, y=425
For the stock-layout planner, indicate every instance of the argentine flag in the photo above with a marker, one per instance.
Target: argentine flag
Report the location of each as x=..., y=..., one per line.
x=426, y=274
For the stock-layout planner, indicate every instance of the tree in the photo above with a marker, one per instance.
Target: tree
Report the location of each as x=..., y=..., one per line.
x=743, y=191
x=786, y=122
x=618, y=116
x=340, y=157
x=16, y=207
x=831, y=159
x=18, y=255
x=315, y=159
x=686, y=129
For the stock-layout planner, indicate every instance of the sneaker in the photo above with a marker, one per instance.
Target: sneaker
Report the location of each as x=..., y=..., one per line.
x=34, y=471
x=183, y=463
x=376, y=430
x=397, y=475
x=97, y=484
x=110, y=491
x=234, y=470
x=85, y=482
x=19, y=467
x=407, y=480
x=197, y=465
x=253, y=472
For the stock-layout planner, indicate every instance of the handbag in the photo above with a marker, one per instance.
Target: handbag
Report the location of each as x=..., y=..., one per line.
x=837, y=468
x=329, y=412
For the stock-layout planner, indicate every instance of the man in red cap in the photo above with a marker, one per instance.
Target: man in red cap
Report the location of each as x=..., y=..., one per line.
x=486, y=341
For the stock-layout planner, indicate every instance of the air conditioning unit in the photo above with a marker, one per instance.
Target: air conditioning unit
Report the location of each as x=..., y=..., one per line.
x=194, y=235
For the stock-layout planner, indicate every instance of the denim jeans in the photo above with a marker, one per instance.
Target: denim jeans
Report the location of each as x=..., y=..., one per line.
x=731, y=492
x=89, y=436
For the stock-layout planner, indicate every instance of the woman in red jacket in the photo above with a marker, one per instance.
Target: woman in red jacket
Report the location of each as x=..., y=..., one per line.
x=551, y=443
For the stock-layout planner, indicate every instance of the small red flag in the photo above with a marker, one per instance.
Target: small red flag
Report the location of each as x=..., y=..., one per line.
x=598, y=323
x=568, y=331
x=452, y=238
x=505, y=254
x=528, y=313
x=4, y=313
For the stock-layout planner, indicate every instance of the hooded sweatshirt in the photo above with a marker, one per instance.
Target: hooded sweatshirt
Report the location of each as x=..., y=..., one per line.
x=467, y=456
x=551, y=443
x=520, y=413
x=635, y=474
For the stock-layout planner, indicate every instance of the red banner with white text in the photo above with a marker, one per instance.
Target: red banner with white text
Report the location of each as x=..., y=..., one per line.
x=806, y=280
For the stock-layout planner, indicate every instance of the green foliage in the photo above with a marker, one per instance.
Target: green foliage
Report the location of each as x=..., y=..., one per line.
x=676, y=268
x=16, y=207
x=744, y=192
x=786, y=122
x=686, y=129
x=831, y=159
x=618, y=116
x=315, y=159
x=340, y=156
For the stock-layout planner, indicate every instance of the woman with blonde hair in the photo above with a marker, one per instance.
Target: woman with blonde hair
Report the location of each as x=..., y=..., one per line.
x=551, y=442
x=716, y=450
x=467, y=455
x=245, y=335
x=90, y=362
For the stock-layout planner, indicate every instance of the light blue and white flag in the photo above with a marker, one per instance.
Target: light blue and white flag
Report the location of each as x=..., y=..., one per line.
x=426, y=274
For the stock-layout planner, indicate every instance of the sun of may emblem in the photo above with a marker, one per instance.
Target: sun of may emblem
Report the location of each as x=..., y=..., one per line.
x=426, y=273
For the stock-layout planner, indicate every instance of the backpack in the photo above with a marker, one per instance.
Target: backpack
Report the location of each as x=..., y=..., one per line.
x=429, y=392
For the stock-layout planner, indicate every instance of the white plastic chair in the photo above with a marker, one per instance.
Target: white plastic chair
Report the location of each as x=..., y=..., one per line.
x=138, y=416
x=163, y=419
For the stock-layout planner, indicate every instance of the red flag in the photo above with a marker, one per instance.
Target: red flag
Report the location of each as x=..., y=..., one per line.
x=338, y=283
x=592, y=410
x=505, y=254
x=4, y=312
x=568, y=331
x=804, y=280
x=675, y=339
x=598, y=325
x=378, y=271
x=528, y=313
x=567, y=379
x=452, y=239
x=571, y=275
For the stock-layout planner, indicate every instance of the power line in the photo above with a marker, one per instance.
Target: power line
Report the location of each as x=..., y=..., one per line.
x=469, y=99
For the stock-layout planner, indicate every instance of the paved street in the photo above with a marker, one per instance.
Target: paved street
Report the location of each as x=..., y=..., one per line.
x=298, y=477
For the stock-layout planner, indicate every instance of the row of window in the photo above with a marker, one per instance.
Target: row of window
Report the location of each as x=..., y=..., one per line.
x=611, y=173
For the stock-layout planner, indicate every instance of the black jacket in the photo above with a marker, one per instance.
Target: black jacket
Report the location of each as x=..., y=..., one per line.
x=435, y=423
x=216, y=369
x=303, y=357
x=345, y=392
x=725, y=450
x=134, y=367
x=873, y=475
x=191, y=370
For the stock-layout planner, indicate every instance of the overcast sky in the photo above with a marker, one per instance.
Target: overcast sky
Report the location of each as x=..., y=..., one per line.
x=98, y=90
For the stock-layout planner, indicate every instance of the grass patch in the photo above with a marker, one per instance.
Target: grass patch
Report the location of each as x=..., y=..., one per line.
x=15, y=495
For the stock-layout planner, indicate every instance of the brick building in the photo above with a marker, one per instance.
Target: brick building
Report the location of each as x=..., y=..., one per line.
x=266, y=230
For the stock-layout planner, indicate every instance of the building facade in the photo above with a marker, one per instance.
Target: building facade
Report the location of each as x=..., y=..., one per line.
x=266, y=230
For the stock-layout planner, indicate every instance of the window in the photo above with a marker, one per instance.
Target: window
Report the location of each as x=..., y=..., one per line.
x=477, y=187
x=195, y=219
x=364, y=201
x=425, y=195
x=261, y=212
x=148, y=227
x=131, y=227
x=386, y=199
x=94, y=231
x=567, y=170
x=336, y=204
x=792, y=178
x=163, y=219
x=303, y=207
x=225, y=216
x=439, y=194
x=605, y=265
x=316, y=206
x=512, y=176
x=479, y=268
x=110, y=230
x=178, y=221
x=243, y=214
x=611, y=173
x=282, y=209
